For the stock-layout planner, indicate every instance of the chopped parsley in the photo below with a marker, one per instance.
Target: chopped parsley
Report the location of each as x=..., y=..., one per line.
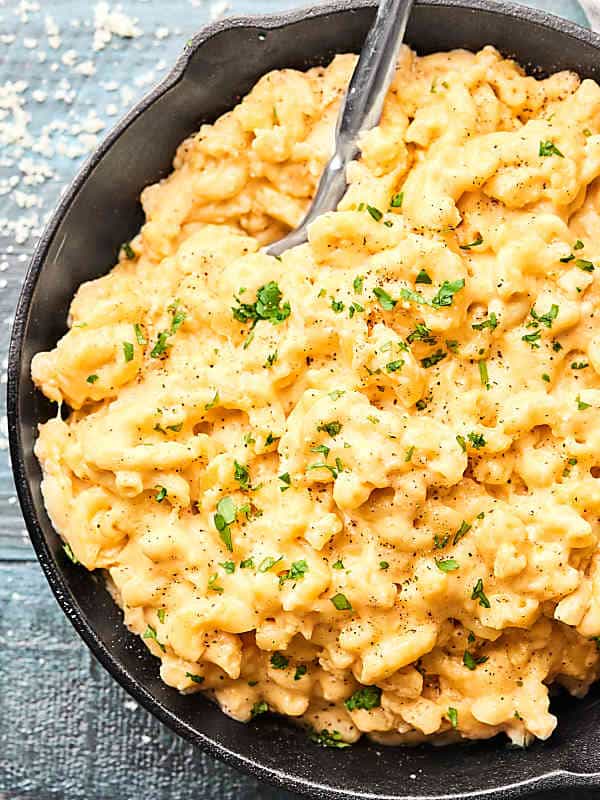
x=385, y=301
x=194, y=678
x=384, y=565
x=397, y=200
x=213, y=402
x=320, y=448
x=297, y=570
x=285, y=478
x=92, y=378
x=475, y=243
x=161, y=615
x=268, y=563
x=139, y=334
x=212, y=584
x=279, y=661
x=358, y=283
x=160, y=494
x=462, y=531
x=491, y=322
x=453, y=716
x=462, y=442
x=579, y=365
x=228, y=566
x=471, y=662
x=247, y=563
x=128, y=250
x=483, y=373
x=409, y=454
x=545, y=319
x=532, y=339
x=375, y=213
x=439, y=542
x=337, y=306
x=584, y=264
x=433, y=359
x=150, y=633
x=341, y=602
x=355, y=308
x=161, y=345
x=394, y=366
x=366, y=698
x=548, y=148
x=225, y=516
x=327, y=738
x=332, y=428
x=338, y=565
x=421, y=333
x=271, y=359
x=447, y=564
x=267, y=306
x=259, y=708
x=301, y=670
x=70, y=554
x=423, y=277
x=581, y=406
x=479, y=594
x=477, y=440
x=446, y=293
x=241, y=475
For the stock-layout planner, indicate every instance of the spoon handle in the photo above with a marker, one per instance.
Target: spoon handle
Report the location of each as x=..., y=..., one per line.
x=360, y=111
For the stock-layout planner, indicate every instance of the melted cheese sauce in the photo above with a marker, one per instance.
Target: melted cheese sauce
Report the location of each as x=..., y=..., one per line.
x=357, y=485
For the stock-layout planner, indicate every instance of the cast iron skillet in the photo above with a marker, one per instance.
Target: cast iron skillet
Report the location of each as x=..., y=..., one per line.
x=100, y=211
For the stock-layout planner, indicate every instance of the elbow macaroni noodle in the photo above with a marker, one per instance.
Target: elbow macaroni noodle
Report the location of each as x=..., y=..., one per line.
x=357, y=485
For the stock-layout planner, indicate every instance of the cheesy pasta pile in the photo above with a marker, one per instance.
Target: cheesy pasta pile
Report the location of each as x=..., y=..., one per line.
x=356, y=485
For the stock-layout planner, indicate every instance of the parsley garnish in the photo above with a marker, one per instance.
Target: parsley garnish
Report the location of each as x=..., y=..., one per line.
x=447, y=565
x=266, y=307
x=328, y=739
x=213, y=402
x=422, y=334
x=462, y=442
x=394, y=366
x=584, y=264
x=212, y=584
x=462, y=531
x=295, y=572
x=161, y=615
x=446, y=293
x=268, y=563
x=271, y=358
x=354, y=308
x=247, y=563
x=475, y=243
x=453, y=716
x=338, y=565
x=532, y=339
x=409, y=454
x=423, y=277
x=161, y=494
x=337, y=306
x=581, y=406
x=579, y=365
x=491, y=322
x=225, y=516
x=433, y=359
x=471, y=662
x=92, y=378
x=439, y=542
x=358, y=283
x=367, y=697
x=548, y=148
x=241, y=475
x=194, y=678
x=139, y=334
x=479, y=594
x=301, y=670
x=384, y=565
x=385, y=301
x=483, y=373
x=258, y=709
x=545, y=319
x=279, y=661
x=332, y=428
x=341, y=602
x=397, y=200
x=228, y=566
x=128, y=250
x=150, y=633
x=70, y=554
x=161, y=345
x=375, y=213
x=477, y=440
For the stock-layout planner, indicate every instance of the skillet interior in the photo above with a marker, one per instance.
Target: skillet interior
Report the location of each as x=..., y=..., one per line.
x=101, y=211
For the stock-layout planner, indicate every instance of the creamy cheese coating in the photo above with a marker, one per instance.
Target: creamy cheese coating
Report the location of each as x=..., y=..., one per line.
x=357, y=485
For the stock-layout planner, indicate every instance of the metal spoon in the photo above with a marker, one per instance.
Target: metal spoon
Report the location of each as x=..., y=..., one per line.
x=360, y=112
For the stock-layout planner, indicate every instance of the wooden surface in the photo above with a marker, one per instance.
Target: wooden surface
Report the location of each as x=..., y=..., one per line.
x=67, y=730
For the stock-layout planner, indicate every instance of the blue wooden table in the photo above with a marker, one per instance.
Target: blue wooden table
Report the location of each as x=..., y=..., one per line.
x=68, y=70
